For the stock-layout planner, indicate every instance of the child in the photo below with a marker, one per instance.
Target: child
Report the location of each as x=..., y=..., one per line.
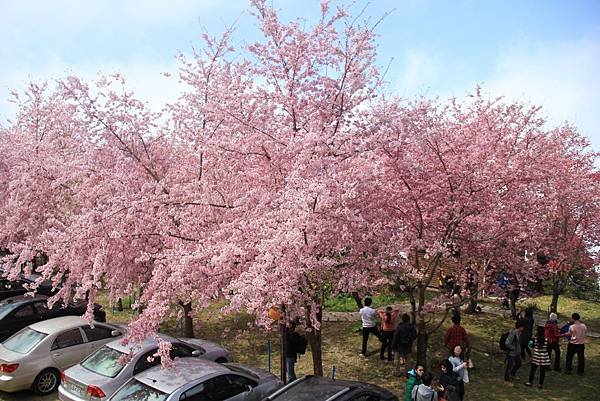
x=414, y=379
x=460, y=367
x=539, y=357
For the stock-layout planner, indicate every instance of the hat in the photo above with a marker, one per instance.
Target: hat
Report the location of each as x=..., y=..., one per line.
x=553, y=316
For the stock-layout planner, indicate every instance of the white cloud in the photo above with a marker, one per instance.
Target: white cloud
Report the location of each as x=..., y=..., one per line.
x=562, y=77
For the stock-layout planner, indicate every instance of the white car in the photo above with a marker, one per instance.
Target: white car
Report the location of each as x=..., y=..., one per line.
x=34, y=357
x=99, y=375
x=196, y=379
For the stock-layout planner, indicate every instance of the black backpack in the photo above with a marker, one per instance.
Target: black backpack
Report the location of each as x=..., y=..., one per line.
x=302, y=344
x=502, y=341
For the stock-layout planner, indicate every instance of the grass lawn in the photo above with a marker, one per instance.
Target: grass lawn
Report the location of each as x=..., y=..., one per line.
x=341, y=345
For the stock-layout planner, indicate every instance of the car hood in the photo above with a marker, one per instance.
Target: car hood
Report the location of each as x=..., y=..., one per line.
x=7, y=355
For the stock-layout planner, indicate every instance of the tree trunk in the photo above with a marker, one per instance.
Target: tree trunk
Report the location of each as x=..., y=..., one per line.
x=357, y=299
x=315, y=341
x=422, y=335
x=120, y=305
x=559, y=283
x=473, y=295
x=188, y=323
x=554, y=303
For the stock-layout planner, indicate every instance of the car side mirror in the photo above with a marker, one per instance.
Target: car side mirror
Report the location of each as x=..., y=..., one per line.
x=196, y=353
x=115, y=333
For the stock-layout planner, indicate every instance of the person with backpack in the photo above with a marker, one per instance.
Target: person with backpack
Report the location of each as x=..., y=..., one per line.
x=414, y=379
x=448, y=382
x=368, y=316
x=540, y=357
x=402, y=342
x=423, y=391
x=553, y=335
x=460, y=368
x=511, y=344
x=295, y=345
x=388, y=327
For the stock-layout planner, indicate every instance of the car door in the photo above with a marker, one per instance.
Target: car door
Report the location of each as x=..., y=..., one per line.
x=69, y=348
x=215, y=389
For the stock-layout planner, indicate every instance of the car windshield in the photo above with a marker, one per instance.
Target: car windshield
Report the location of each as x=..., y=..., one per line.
x=5, y=309
x=24, y=341
x=309, y=392
x=105, y=362
x=136, y=390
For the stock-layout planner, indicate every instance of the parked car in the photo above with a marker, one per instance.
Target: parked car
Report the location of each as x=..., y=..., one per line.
x=196, y=379
x=316, y=388
x=34, y=357
x=10, y=288
x=101, y=373
x=19, y=312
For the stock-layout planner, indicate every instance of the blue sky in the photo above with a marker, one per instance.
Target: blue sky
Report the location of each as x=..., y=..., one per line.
x=543, y=52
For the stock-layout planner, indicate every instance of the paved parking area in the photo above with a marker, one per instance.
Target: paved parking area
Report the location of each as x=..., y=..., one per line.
x=27, y=396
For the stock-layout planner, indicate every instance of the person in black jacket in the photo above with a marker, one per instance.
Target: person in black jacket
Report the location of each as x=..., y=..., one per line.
x=295, y=344
x=402, y=342
x=448, y=382
x=528, y=323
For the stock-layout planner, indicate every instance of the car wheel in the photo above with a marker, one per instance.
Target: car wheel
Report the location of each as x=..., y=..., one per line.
x=221, y=360
x=46, y=382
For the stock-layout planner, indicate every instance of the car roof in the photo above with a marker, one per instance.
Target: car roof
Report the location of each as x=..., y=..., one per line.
x=146, y=345
x=316, y=384
x=183, y=371
x=59, y=323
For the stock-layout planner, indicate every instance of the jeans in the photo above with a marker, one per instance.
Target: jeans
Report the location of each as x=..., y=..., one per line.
x=290, y=363
x=386, y=343
x=573, y=349
x=513, y=363
x=556, y=348
x=532, y=373
x=365, y=333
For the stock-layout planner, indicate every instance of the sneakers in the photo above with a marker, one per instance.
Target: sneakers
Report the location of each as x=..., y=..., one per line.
x=362, y=355
x=528, y=384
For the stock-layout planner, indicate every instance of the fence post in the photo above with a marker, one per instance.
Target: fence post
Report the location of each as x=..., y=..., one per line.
x=269, y=352
x=333, y=372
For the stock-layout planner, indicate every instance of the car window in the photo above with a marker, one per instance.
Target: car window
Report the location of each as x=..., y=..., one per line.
x=97, y=333
x=5, y=309
x=105, y=362
x=136, y=390
x=216, y=389
x=144, y=363
x=24, y=312
x=241, y=383
x=181, y=351
x=67, y=338
x=24, y=341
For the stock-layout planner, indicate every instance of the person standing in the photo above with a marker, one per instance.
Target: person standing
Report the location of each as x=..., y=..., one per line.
x=423, y=391
x=577, y=332
x=368, y=316
x=540, y=357
x=388, y=327
x=460, y=368
x=553, y=335
x=528, y=323
x=295, y=344
x=414, y=379
x=402, y=342
x=448, y=382
x=456, y=335
x=513, y=355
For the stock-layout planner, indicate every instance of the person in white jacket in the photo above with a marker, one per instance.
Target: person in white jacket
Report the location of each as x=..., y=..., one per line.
x=460, y=367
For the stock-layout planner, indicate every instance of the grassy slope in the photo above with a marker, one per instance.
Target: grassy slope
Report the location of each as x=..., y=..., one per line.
x=341, y=344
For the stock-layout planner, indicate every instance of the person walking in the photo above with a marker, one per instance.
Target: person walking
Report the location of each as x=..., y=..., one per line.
x=456, y=335
x=513, y=355
x=423, y=391
x=368, y=316
x=414, y=379
x=460, y=368
x=553, y=335
x=388, y=328
x=577, y=332
x=528, y=323
x=539, y=358
x=402, y=342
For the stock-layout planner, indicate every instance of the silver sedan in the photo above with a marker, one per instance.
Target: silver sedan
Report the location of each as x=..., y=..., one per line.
x=100, y=375
x=33, y=357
